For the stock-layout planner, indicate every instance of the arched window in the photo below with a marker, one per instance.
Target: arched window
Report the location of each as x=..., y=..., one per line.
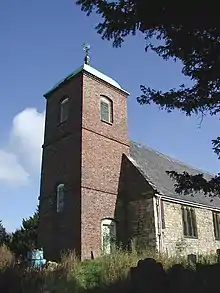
x=60, y=197
x=64, y=109
x=108, y=235
x=106, y=111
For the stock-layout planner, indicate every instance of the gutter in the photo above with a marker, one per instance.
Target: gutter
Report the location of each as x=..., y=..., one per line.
x=185, y=202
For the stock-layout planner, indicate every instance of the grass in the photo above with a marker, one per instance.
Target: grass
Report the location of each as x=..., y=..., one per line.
x=71, y=275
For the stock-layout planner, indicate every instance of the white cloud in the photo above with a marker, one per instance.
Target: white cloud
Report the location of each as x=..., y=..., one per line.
x=11, y=171
x=22, y=158
x=27, y=136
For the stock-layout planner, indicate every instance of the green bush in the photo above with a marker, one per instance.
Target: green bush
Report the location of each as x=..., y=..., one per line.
x=88, y=274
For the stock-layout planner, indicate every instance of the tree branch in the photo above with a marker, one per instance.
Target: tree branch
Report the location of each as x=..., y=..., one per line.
x=187, y=184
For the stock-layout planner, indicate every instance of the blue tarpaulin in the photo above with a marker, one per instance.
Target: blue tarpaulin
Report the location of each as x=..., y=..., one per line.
x=36, y=258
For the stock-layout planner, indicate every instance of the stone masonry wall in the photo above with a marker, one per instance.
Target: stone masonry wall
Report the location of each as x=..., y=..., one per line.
x=173, y=239
x=141, y=223
x=135, y=207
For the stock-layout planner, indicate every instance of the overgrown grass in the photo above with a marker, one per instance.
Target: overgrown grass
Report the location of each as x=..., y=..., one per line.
x=71, y=275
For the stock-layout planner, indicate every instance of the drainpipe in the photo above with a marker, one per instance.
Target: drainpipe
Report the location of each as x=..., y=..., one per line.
x=159, y=223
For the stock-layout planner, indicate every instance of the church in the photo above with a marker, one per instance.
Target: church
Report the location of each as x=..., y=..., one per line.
x=99, y=188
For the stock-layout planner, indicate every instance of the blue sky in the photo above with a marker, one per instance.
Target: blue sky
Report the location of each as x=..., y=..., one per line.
x=40, y=43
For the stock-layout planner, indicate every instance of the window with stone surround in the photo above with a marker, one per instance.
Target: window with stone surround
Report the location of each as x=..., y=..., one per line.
x=216, y=224
x=189, y=222
x=60, y=197
x=108, y=235
x=64, y=109
x=106, y=110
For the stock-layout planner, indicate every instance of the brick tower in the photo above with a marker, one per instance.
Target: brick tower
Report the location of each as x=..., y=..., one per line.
x=85, y=137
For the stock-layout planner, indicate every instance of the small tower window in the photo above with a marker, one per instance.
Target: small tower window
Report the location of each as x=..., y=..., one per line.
x=106, y=112
x=64, y=109
x=60, y=197
x=108, y=234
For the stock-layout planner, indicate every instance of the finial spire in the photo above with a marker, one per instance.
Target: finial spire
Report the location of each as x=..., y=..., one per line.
x=86, y=49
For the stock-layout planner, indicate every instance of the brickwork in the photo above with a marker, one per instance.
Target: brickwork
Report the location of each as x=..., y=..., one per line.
x=96, y=206
x=92, y=90
x=55, y=131
x=101, y=161
x=103, y=145
x=61, y=163
x=173, y=240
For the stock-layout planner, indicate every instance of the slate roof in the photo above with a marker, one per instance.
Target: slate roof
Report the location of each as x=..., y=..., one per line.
x=92, y=71
x=153, y=164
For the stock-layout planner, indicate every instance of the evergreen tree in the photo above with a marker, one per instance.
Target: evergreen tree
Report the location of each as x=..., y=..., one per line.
x=25, y=238
x=3, y=234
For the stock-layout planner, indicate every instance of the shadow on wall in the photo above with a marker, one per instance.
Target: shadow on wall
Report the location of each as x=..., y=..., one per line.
x=134, y=210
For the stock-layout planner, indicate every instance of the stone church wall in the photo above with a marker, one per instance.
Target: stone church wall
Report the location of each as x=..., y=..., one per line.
x=135, y=207
x=173, y=239
x=142, y=223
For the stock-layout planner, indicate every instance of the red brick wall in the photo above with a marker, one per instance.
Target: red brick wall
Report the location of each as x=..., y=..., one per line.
x=61, y=164
x=102, y=149
x=92, y=89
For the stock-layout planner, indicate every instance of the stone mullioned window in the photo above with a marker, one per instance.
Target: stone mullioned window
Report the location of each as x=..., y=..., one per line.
x=189, y=222
x=216, y=224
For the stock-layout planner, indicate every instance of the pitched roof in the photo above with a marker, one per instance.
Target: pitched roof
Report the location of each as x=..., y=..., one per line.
x=91, y=70
x=153, y=165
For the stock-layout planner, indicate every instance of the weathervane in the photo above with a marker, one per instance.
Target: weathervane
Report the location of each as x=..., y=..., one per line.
x=86, y=49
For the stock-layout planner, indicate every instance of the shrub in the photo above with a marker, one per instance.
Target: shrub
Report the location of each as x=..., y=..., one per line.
x=88, y=275
x=6, y=257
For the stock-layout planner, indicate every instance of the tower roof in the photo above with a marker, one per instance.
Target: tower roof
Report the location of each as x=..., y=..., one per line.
x=94, y=72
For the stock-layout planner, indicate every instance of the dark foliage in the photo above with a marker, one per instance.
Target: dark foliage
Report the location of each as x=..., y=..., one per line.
x=190, y=34
x=3, y=234
x=25, y=238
